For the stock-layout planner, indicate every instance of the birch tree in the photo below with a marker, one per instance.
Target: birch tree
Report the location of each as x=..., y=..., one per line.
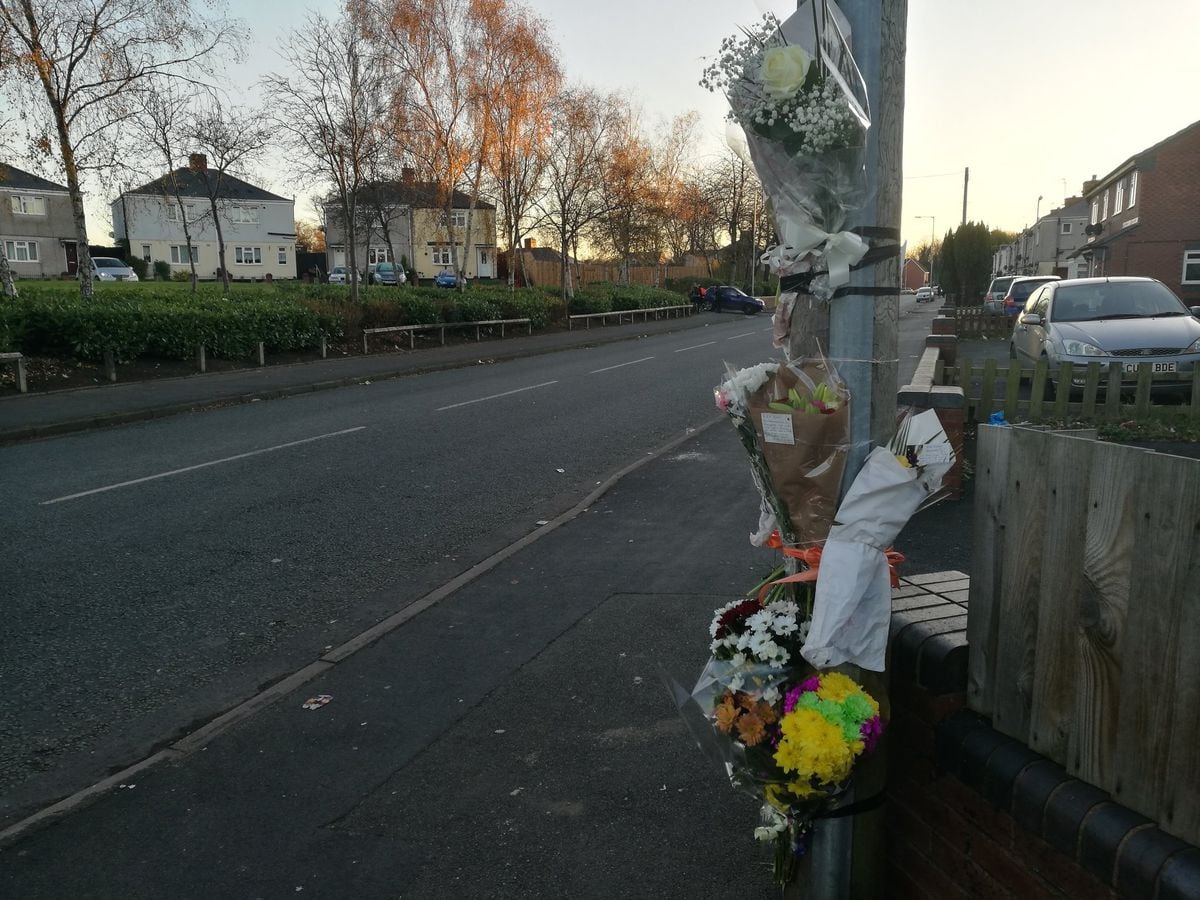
x=326, y=105
x=75, y=68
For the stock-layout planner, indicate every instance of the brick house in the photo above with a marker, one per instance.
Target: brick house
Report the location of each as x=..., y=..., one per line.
x=914, y=275
x=1144, y=216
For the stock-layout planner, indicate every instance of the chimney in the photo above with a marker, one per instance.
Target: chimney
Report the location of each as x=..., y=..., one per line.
x=530, y=243
x=1090, y=185
x=408, y=175
x=198, y=162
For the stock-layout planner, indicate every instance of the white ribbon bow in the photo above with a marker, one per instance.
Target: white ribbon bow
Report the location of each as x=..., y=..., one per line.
x=801, y=238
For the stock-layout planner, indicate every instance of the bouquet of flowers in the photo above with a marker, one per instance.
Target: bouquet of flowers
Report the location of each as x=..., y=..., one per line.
x=796, y=91
x=788, y=736
x=853, y=602
x=794, y=421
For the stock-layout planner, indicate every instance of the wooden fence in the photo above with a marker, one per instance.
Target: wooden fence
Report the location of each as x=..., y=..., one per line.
x=1105, y=394
x=1084, y=625
x=549, y=274
x=977, y=322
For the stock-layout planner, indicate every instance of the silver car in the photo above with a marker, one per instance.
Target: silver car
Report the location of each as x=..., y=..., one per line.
x=107, y=268
x=1107, y=320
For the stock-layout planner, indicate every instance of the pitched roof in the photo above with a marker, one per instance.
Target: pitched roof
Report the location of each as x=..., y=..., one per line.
x=197, y=184
x=417, y=194
x=18, y=179
x=1120, y=170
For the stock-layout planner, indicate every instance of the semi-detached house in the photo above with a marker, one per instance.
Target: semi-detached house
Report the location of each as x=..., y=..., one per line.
x=37, y=226
x=258, y=227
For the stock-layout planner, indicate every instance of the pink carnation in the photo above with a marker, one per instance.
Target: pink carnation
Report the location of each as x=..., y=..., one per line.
x=870, y=733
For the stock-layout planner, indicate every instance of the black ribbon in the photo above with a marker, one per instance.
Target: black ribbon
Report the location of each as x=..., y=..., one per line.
x=854, y=809
x=800, y=284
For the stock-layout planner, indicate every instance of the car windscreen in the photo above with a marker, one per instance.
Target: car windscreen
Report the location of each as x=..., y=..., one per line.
x=1022, y=289
x=383, y=267
x=1115, y=300
x=999, y=285
x=102, y=263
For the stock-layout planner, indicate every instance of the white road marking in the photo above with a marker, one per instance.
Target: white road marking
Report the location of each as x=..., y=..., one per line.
x=203, y=465
x=736, y=336
x=697, y=347
x=494, y=396
x=621, y=365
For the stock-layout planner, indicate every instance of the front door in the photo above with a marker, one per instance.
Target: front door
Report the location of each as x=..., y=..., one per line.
x=485, y=262
x=72, y=252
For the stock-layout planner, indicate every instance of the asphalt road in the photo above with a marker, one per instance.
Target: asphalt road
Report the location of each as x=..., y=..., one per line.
x=159, y=573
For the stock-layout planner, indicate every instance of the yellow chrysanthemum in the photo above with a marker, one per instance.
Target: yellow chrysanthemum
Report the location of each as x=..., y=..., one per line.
x=811, y=746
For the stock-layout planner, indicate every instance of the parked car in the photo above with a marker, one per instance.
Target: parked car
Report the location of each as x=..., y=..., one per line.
x=1106, y=320
x=106, y=268
x=1019, y=290
x=993, y=297
x=339, y=275
x=446, y=279
x=726, y=296
x=924, y=294
x=385, y=273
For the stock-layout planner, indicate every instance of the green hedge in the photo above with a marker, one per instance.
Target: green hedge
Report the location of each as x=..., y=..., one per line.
x=74, y=328
x=595, y=297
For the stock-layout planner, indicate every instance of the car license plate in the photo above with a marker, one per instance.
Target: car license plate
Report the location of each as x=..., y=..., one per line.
x=1154, y=367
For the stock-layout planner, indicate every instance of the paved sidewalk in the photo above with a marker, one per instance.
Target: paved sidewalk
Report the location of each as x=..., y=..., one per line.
x=58, y=412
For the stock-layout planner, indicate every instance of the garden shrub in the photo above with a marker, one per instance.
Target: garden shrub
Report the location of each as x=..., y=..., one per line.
x=162, y=270
x=466, y=308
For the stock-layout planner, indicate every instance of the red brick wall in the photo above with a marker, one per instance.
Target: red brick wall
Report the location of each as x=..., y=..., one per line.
x=1168, y=213
x=944, y=839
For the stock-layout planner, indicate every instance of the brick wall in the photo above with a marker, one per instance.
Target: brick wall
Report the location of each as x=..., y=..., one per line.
x=972, y=813
x=1168, y=214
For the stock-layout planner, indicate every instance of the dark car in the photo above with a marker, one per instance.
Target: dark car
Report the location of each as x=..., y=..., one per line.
x=446, y=279
x=1109, y=320
x=728, y=297
x=1019, y=290
x=385, y=273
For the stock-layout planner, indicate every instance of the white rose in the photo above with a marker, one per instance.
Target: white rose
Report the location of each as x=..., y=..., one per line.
x=784, y=70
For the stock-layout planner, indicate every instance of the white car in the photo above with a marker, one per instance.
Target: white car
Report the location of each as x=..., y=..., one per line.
x=924, y=294
x=339, y=275
x=105, y=268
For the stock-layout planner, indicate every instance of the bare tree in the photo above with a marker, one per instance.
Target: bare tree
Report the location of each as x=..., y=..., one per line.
x=515, y=93
x=76, y=66
x=631, y=193
x=227, y=140
x=581, y=122
x=326, y=105
x=163, y=125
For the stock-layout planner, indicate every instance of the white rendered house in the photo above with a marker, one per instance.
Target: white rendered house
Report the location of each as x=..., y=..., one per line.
x=258, y=227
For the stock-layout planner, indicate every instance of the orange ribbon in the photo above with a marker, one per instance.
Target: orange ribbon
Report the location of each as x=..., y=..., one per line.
x=811, y=557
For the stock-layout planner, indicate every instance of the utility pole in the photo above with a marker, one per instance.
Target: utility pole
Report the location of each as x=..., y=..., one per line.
x=966, y=181
x=859, y=329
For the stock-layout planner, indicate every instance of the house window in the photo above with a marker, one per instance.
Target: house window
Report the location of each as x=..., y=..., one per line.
x=146, y=252
x=1119, y=200
x=378, y=255
x=1066, y=228
x=1095, y=211
x=181, y=255
x=244, y=215
x=247, y=256
x=1133, y=189
x=21, y=251
x=173, y=213
x=283, y=256
x=458, y=218
x=441, y=256
x=1191, y=267
x=1104, y=212
x=29, y=206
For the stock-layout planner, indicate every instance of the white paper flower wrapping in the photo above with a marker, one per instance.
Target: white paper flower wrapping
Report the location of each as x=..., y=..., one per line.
x=853, y=603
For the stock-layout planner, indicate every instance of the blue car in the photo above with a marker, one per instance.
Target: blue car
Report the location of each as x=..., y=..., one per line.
x=727, y=297
x=446, y=279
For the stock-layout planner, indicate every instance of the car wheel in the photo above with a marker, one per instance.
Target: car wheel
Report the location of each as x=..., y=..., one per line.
x=711, y=306
x=750, y=310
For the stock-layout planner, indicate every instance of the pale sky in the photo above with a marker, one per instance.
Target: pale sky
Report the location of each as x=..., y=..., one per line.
x=1034, y=95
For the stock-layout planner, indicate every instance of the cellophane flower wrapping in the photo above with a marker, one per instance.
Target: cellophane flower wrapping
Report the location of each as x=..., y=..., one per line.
x=785, y=734
x=797, y=93
x=794, y=421
x=853, y=603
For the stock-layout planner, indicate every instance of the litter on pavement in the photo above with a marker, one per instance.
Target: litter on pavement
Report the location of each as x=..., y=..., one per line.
x=317, y=702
